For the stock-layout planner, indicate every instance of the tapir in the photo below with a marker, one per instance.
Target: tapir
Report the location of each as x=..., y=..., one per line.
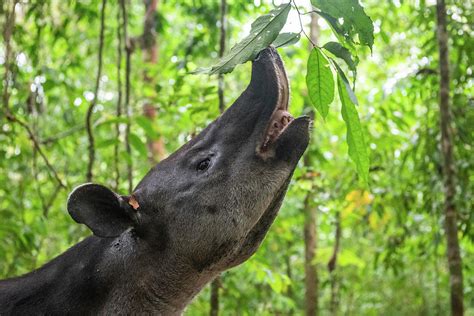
x=203, y=210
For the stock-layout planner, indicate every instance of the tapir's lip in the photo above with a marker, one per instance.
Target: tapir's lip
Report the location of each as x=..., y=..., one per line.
x=280, y=118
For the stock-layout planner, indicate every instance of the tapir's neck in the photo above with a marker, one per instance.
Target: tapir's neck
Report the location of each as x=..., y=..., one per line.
x=157, y=281
x=105, y=276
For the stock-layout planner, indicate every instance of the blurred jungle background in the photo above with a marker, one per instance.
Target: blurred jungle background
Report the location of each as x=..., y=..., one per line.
x=118, y=72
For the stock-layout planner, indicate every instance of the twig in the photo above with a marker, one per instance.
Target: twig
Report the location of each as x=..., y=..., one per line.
x=90, y=110
x=13, y=118
x=35, y=175
x=337, y=236
x=119, y=100
x=334, y=301
x=301, y=24
x=309, y=12
x=61, y=135
x=51, y=200
x=128, y=50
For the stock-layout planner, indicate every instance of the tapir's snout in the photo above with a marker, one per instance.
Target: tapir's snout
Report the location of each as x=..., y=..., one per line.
x=261, y=113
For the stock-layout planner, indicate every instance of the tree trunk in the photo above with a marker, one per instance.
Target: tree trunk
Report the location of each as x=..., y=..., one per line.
x=216, y=284
x=118, y=111
x=156, y=147
x=127, y=109
x=214, y=301
x=310, y=242
x=453, y=252
x=332, y=264
x=310, y=236
x=90, y=110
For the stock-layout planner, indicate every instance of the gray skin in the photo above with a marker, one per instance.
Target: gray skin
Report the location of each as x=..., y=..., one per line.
x=201, y=211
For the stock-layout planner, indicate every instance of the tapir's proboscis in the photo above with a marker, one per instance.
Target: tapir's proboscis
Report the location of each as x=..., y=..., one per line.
x=203, y=210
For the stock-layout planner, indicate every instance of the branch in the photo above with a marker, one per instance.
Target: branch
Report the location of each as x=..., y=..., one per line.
x=90, y=110
x=14, y=119
x=301, y=25
x=334, y=303
x=333, y=261
x=51, y=200
x=35, y=175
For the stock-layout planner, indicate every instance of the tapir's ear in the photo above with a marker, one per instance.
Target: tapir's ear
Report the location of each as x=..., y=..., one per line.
x=106, y=213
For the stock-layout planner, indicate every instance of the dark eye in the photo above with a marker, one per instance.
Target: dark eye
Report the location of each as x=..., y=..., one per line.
x=204, y=164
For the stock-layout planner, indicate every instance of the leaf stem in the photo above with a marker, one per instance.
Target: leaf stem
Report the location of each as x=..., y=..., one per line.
x=301, y=24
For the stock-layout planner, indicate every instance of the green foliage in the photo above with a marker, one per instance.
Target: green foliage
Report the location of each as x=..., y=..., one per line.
x=263, y=32
x=319, y=78
x=354, y=19
x=341, y=52
x=320, y=82
x=286, y=39
x=355, y=134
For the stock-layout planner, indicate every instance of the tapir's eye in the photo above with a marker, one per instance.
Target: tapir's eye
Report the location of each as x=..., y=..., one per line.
x=203, y=164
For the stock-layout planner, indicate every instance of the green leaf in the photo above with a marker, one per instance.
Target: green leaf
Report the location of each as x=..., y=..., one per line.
x=286, y=39
x=107, y=142
x=346, y=83
x=341, y=35
x=108, y=121
x=347, y=258
x=263, y=32
x=320, y=81
x=138, y=144
x=356, y=21
x=147, y=126
x=341, y=52
x=355, y=134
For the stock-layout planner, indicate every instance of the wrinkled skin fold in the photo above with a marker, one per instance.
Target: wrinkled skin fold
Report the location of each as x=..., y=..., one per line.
x=203, y=210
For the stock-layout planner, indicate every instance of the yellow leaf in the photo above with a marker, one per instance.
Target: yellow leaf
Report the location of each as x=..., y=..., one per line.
x=357, y=200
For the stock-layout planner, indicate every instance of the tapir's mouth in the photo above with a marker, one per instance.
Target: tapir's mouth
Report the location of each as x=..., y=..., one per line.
x=279, y=121
x=280, y=118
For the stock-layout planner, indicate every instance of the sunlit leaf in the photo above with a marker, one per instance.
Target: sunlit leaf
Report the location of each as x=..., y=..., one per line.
x=286, y=39
x=320, y=81
x=138, y=144
x=347, y=86
x=355, y=134
x=107, y=142
x=147, y=126
x=341, y=52
x=355, y=20
x=347, y=257
x=263, y=32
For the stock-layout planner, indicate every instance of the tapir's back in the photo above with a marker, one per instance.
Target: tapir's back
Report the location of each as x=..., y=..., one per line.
x=67, y=284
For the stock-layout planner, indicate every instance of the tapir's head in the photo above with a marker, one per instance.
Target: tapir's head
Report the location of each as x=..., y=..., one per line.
x=213, y=200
